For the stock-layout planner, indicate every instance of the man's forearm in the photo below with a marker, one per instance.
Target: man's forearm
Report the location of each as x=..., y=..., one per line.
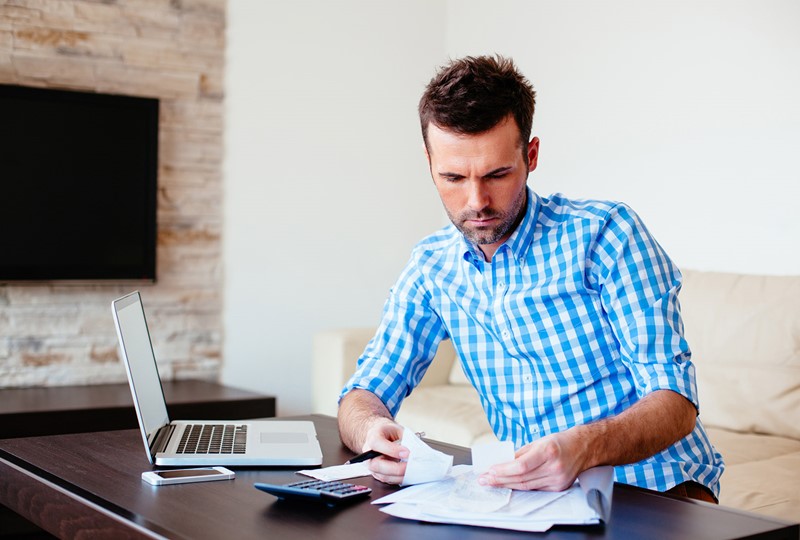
x=654, y=423
x=359, y=410
x=553, y=462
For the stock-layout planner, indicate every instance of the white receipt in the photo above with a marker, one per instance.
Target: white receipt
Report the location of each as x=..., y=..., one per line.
x=339, y=472
x=424, y=464
x=468, y=495
x=488, y=454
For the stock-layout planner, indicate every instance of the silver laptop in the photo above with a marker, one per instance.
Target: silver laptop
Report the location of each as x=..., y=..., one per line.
x=207, y=442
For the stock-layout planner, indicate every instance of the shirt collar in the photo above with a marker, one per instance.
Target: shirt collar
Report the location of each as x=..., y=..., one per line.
x=519, y=241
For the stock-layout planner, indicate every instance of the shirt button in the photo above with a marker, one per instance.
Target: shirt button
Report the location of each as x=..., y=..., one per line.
x=501, y=285
x=505, y=333
x=528, y=378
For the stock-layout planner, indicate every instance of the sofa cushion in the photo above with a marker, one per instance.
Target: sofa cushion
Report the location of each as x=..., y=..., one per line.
x=744, y=332
x=762, y=473
x=449, y=413
x=739, y=448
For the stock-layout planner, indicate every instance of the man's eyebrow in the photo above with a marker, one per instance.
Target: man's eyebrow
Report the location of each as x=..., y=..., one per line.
x=498, y=171
x=494, y=172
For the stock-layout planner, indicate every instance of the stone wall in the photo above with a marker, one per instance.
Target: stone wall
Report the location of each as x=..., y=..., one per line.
x=56, y=334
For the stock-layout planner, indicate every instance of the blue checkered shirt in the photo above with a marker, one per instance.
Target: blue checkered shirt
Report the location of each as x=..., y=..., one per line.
x=575, y=319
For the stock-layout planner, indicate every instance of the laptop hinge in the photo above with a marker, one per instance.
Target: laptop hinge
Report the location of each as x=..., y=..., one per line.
x=161, y=439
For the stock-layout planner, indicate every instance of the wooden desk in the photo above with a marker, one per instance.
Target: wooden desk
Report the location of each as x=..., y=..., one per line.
x=90, y=484
x=27, y=412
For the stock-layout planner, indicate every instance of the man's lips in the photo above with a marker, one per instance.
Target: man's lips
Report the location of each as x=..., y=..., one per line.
x=481, y=222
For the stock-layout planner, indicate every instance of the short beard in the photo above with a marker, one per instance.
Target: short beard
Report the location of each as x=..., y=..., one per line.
x=489, y=235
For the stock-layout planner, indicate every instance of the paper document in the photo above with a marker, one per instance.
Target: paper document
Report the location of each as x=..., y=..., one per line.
x=487, y=454
x=434, y=496
x=424, y=464
x=467, y=495
x=339, y=472
x=533, y=511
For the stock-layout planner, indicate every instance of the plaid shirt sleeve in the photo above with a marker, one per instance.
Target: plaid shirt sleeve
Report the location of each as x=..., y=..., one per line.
x=639, y=287
x=397, y=357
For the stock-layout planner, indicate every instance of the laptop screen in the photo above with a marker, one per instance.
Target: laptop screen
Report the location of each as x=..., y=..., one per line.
x=141, y=364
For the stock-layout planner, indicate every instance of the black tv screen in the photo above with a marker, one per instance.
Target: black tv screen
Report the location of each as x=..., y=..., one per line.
x=78, y=185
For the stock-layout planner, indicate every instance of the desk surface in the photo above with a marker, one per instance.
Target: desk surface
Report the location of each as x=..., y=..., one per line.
x=92, y=483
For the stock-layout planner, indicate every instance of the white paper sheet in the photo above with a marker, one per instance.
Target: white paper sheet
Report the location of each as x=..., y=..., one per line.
x=467, y=495
x=432, y=495
x=526, y=511
x=424, y=464
x=488, y=454
x=339, y=472
x=598, y=484
x=412, y=511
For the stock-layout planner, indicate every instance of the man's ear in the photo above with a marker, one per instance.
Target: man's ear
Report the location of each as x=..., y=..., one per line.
x=533, y=154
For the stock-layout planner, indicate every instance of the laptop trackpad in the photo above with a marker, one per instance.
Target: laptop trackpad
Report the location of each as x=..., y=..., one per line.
x=283, y=438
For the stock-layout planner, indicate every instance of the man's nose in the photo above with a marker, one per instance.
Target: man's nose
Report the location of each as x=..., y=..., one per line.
x=478, y=197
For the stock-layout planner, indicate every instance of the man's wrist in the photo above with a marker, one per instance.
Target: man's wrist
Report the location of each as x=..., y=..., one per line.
x=589, y=444
x=361, y=411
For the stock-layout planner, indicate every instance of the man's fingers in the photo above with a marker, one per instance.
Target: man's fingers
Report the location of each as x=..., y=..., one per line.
x=387, y=470
x=384, y=438
x=389, y=448
x=538, y=466
x=542, y=479
x=527, y=460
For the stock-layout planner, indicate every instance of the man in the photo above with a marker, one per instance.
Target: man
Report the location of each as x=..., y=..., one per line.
x=564, y=313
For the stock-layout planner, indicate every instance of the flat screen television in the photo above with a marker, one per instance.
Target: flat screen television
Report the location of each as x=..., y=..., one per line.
x=78, y=186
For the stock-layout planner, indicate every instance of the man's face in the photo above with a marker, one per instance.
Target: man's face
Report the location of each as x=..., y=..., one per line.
x=481, y=180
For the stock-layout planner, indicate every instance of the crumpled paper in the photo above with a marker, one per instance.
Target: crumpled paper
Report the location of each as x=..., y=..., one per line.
x=424, y=464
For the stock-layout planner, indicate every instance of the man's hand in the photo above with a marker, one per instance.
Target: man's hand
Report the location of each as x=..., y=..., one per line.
x=384, y=437
x=550, y=464
x=553, y=462
x=365, y=424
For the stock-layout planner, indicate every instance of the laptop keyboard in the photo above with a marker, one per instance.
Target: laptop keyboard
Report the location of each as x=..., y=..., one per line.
x=213, y=439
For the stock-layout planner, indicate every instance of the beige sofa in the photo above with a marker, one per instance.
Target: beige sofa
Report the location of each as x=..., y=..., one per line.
x=745, y=336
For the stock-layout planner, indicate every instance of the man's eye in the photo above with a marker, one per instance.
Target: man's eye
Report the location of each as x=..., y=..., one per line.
x=453, y=178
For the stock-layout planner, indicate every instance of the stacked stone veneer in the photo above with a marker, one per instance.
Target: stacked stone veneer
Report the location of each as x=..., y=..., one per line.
x=56, y=334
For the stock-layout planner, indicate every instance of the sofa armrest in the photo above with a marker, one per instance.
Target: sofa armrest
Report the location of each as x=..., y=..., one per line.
x=334, y=357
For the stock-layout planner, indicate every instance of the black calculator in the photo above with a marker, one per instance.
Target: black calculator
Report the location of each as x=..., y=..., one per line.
x=329, y=492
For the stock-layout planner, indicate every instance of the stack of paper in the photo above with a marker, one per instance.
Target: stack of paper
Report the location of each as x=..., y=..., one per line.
x=586, y=503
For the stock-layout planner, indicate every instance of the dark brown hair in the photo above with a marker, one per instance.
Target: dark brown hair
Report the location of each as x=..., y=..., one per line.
x=473, y=94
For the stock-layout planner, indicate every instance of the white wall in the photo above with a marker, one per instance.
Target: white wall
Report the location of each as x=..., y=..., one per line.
x=686, y=110
x=326, y=182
